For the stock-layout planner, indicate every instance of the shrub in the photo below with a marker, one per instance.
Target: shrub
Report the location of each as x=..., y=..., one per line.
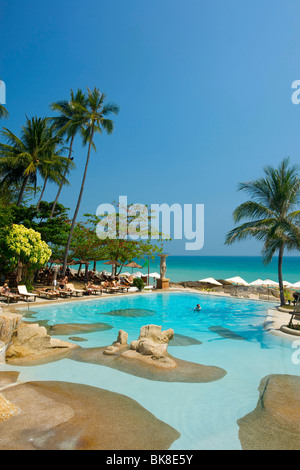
x=139, y=283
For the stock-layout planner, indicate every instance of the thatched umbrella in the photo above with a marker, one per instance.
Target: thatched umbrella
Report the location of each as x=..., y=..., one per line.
x=132, y=265
x=113, y=264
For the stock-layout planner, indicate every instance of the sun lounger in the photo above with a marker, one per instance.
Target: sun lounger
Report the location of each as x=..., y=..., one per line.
x=94, y=290
x=25, y=295
x=48, y=294
x=64, y=293
x=76, y=292
x=9, y=297
x=295, y=315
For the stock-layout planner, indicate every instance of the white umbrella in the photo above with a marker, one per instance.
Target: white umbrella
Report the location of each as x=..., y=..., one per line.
x=154, y=275
x=125, y=274
x=258, y=282
x=296, y=285
x=269, y=282
x=287, y=284
x=138, y=274
x=238, y=280
x=211, y=280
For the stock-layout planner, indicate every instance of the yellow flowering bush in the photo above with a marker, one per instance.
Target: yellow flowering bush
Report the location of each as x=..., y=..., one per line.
x=25, y=245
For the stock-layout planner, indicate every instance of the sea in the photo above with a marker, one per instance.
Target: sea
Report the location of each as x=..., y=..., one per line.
x=195, y=268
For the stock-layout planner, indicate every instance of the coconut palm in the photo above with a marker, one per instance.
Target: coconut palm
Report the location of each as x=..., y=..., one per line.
x=272, y=213
x=68, y=123
x=96, y=113
x=3, y=112
x=21, y=158
x=54, y=170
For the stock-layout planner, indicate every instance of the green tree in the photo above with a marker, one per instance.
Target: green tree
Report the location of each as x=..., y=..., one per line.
x=68, y=123
x=21, y=158
x=23, y=245
x=96, y=113
x=122, y=248
x=53, y=231
x=54, y=170
x=272, y=213
x=3, y=112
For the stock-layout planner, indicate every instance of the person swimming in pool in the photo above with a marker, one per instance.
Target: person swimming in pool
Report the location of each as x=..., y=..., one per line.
x=197, y=307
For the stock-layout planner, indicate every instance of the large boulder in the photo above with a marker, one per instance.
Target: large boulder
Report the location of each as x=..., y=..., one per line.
x=151, y=346
x=152, y=341
x=9, y=323
x=30, y=342
x=117, y=345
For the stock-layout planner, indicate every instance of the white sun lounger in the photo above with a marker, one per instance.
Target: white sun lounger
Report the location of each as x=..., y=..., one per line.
x=24, y=294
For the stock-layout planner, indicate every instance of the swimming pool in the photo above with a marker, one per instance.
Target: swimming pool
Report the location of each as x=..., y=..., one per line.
x=227, y=333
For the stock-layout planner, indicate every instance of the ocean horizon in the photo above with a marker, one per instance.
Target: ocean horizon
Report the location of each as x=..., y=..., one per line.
x=194, y=268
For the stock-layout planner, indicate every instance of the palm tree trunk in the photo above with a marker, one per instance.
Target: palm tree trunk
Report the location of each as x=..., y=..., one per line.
x=61, y=184
x=42, y=193
x=280, y=280
x=78, y=205
x=21, y=193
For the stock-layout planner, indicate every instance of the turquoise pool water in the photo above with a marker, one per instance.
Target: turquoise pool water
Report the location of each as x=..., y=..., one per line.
x=205, y=414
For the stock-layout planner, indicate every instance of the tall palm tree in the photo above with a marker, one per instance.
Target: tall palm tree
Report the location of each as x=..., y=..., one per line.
x=273, y=214
x=3, y=112
x=68, y=123
x=53, y=170
x=22, y=157
x=96, y=120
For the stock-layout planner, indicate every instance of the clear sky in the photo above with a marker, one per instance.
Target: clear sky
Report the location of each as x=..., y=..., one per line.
x=204, y=89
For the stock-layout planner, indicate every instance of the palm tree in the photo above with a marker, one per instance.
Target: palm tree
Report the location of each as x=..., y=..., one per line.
x=53, y=170
x=95, y=121
x=68, y=124
x=273, y=216
x=3, y=112
x=22, y=157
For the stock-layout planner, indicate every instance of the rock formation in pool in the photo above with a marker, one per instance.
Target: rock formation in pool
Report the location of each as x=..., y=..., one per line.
x=29, y=343
x=148, y=358
x=275, y=423
x=68, y=416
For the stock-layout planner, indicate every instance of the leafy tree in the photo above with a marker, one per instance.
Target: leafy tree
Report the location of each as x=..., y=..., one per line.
x=68, y=123
x=23, y=245
x=21, y=158
x=96, y=120
x=53, y=231
x=272, y=213
x=121, y=248
x=3, y=112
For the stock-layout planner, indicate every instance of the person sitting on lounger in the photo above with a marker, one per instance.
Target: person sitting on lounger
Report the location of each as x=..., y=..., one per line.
x=91, y=287
x=63, y=282
x=5, y=289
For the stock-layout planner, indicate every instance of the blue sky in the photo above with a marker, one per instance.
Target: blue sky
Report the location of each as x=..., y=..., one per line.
x=204, y=90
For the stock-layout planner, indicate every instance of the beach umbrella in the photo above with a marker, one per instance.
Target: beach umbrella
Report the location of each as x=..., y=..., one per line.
x=132, y=264
x=238, y=281
x=139, y=274
x=211, y=280
x=270, y=283
x=113, y=264
x=258, y=282
x=296, y=285
x=287, y=284
x=125, y=274
x=154, y=275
